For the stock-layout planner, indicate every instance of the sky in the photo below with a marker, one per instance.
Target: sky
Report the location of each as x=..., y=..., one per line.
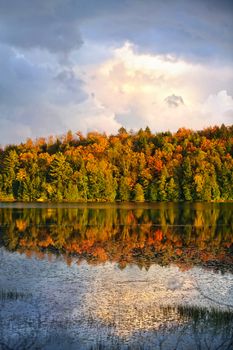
x=97, y=65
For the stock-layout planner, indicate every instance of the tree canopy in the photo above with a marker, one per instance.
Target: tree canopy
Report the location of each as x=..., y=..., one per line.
x=186, y=165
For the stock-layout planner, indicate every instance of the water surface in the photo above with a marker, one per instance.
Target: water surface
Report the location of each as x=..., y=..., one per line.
x=147, y=276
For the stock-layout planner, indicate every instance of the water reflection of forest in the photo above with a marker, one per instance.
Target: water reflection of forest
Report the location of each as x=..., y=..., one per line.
x=183, y=234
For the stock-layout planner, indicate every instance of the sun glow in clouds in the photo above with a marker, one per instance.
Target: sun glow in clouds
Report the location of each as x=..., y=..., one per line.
x=138, y=88
x=165, y=65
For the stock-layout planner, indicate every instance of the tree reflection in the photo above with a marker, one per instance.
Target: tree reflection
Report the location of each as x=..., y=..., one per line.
x=185, y=234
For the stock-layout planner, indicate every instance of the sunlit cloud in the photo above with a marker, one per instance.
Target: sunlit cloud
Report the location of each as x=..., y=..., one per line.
x=83, y=65
x=140, y=90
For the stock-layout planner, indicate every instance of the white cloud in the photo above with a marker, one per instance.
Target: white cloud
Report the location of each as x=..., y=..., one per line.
x=55, y=55
x=218, y=104
x=134, y=87
x=92, y=116
x=124, y=88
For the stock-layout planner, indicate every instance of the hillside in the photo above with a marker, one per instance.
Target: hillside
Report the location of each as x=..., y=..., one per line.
x=183, y=166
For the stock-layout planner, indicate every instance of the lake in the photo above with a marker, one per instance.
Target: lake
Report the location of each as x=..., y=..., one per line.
x=116, y=276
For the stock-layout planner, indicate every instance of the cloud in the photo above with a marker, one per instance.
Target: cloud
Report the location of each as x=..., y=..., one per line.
x=35, y=99
x=128, y=88
x=106, y=63
x=24, y=82
x=68, y=88
x=134, y=86
x=174, y=101
x=18, y=131
x=39, y=24
x=195, y=30
x=20, y=80
x=218, y=105
x=91, y=115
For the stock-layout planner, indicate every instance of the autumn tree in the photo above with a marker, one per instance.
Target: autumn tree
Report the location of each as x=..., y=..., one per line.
x=186, y=165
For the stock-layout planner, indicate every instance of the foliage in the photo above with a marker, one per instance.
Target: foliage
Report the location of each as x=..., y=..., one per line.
x=183, y=166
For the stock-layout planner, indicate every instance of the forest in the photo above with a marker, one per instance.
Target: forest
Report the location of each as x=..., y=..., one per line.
x=130, y=166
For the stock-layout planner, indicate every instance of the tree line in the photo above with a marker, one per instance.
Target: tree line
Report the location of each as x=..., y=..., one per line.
x=129, y=166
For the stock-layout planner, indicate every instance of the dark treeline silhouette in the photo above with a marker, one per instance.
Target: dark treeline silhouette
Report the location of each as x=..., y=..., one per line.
x=186, y=165
x=197, y=234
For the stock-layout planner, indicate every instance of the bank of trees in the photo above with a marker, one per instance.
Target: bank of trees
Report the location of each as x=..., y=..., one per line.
x=186, y=165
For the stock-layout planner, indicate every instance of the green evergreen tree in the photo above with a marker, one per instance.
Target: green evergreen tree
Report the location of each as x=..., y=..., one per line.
x=138, y=193
x=162, y=181
x=60, y=172
x=153, y=192
x=187, y=180
x=10, y=166
x=124, y=191
x=172, y=190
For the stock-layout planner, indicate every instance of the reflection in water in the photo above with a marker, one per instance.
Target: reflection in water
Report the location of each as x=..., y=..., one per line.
x=163, y=296
x=186, y=234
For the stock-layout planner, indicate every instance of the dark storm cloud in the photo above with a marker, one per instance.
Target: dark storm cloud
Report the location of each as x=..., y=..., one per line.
x=174, y=101
x=68, y=79
x=43, y=24
x=30, y=94
x=196, y=29
x=192, y=29
x=41, y=43
x=70, y=87
x=23, y=83
x=49, y=24
x=20, y=80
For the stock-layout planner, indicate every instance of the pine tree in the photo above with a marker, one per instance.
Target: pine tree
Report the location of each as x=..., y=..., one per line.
x=162, y=194
x=172, y=190
x=187, y=180
x=60, y=172
x=124, y=190
x=10, y=167
x=138, y=193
